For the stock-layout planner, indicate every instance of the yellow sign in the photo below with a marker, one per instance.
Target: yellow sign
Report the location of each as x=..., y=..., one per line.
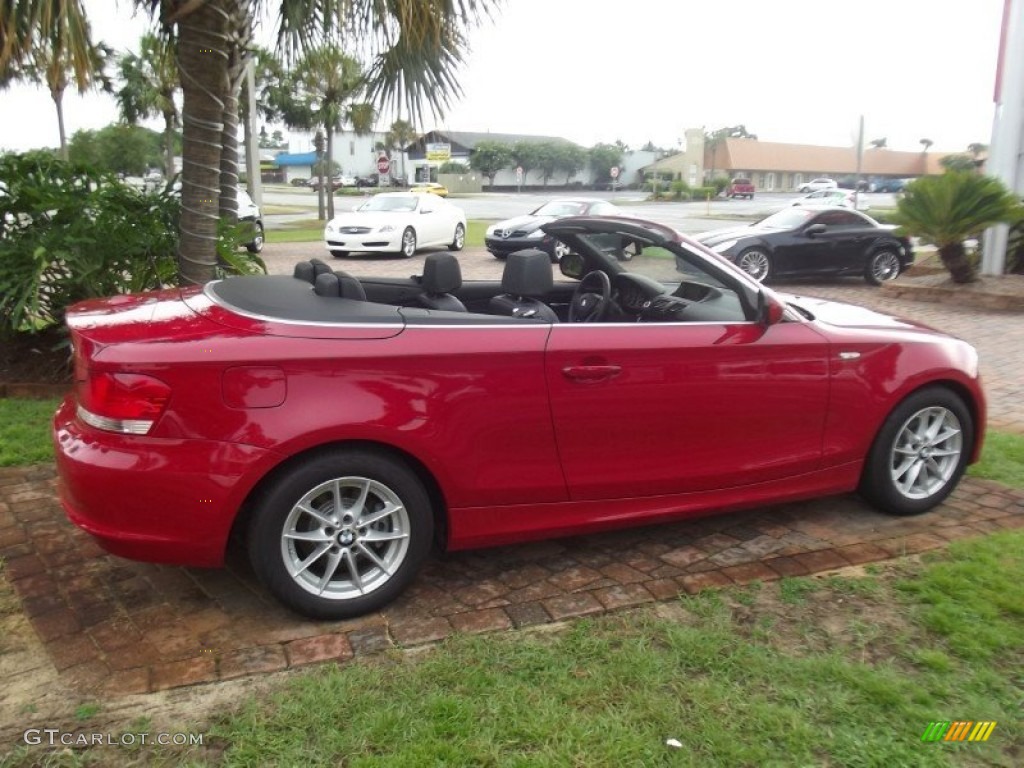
x=439, y=153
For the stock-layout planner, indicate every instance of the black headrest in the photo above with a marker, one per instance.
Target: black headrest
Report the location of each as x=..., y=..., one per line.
x=527, y=273
x=327, y=284
x=304, y=271
x=319, y=267
x=441, y=273
x=349, y=287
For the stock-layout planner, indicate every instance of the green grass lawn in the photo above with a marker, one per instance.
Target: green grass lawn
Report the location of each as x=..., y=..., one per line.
x=25, y=431
x=312, y=230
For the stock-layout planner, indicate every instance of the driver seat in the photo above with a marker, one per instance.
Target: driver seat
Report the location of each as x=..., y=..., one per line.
x=527, y=276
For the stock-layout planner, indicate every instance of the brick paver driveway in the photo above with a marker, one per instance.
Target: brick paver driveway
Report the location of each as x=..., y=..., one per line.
x=114, y=626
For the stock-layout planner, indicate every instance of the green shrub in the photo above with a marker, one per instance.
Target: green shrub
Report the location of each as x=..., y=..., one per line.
x=719, y=183
x=69, y=232
x=703, y=193
x=453, y=167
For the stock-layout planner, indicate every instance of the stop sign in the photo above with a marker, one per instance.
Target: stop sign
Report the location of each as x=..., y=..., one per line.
x=615, y=172
x=383, y=164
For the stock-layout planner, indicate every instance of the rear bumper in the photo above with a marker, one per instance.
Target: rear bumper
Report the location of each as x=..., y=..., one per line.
x=153, y=499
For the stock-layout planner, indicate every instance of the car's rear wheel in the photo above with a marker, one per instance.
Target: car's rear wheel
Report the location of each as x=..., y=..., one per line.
x=882, y=266
x=755, y=262
x=339, y=254
x=341, y=534
x=460, y=238
x=408, y=248
x=256, y=244
x=919, y=454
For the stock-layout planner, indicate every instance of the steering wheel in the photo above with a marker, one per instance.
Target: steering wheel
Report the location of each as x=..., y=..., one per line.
x=587, y=306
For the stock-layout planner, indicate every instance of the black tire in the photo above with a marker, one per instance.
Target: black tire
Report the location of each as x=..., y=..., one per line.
x=365, y=479
x=927, y=472
x=256, y=245
x=756, y=262
x=339, y=254
x=883, y=265
x=408, y=246
x=499, y=256
x=460, y=238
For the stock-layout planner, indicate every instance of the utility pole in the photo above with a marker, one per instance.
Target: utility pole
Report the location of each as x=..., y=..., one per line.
x=860, y=159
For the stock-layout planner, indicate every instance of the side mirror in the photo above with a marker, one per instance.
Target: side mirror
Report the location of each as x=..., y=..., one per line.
x=571, y=265
x=769, y=309
x=815, y=229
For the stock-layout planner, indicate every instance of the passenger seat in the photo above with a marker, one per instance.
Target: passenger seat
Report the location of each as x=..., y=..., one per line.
x=441, y=276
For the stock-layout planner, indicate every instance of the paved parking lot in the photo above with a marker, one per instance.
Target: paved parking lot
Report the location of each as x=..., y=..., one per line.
x=111, y=626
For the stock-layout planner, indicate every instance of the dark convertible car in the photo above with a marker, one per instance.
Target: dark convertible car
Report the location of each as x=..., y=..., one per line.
x=809, y=241
x=513, y=235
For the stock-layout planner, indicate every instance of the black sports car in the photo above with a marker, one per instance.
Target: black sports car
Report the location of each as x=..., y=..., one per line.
x=809, y=241
x=523, y=232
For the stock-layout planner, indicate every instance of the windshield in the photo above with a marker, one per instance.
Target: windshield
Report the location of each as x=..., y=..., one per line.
x=386, y=203
x=654, y=261
x=561, y=208
x=788, y=218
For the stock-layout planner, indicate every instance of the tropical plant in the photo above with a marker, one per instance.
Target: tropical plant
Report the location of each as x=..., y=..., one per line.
x=63, y=51
x=57, y=222
x=323, y=91
x=948, y=209
x=526, y=155
x=490, y=157
x=976, y=148
x=118, y=148
x=958, y=162
x=714, y=139
x=399, y=136
x=572, y=159
x=149, y=81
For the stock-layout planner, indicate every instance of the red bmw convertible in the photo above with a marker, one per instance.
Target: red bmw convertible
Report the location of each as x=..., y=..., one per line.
x=343, y=427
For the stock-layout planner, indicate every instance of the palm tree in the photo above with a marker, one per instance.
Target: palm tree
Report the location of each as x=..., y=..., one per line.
x=401, y=134
x=926, y=143
x=414, y=47
x=48, y=42
x=948, y=209
x=879, y=143
x=149, y=83
x=323, y=92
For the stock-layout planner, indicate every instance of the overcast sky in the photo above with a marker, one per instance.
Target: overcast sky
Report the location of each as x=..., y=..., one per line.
x=799, y=71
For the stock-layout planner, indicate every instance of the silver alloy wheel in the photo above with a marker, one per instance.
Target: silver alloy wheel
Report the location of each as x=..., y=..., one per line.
x=345, y=538
x=926, y=452
x=256, y=246
x=409, y=242
x=755, y=263
x=885, y=265
x=460, y=238
x=561, y=250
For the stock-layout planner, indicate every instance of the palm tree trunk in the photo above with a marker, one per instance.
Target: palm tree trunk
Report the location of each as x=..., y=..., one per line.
x=58, y=102
x=240, y=30
x=954, y=258
x=330, y=172
x=168, y=145
x=204, y=83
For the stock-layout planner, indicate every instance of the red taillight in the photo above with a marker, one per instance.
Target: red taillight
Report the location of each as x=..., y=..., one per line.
x=121, y=402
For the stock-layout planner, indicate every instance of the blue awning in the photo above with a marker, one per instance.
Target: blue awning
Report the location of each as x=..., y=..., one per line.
x=300, y=158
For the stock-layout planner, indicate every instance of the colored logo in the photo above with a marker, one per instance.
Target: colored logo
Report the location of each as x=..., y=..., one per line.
x=959, y=730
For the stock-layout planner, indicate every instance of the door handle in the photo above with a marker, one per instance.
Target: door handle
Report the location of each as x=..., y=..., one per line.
x=591, y=373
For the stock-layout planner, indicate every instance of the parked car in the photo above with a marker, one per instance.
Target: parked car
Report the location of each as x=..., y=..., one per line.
x=337, y=182
x=343, y=428
x=521, y=232
x=740, y=188
x=430, y=187
x=841, y=197
x=815, y=184
x=809, y=241
x=889, y=185
x=396, y=222
x=249, y=212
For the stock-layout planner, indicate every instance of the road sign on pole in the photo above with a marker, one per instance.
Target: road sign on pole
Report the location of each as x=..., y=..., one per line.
x=614, y=172
x=383, y=164
x=519, y=176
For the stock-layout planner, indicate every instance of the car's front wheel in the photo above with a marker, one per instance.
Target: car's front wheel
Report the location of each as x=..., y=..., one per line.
x=558, y=251
x=408, y=247
x=256, y=244
x=755, y=262
x=460, y=238
x=920, y=453
x=882, y=266
x=341, y=534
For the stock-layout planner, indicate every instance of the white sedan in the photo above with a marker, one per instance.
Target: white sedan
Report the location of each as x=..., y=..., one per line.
x=841, y=197
x=397, y=222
